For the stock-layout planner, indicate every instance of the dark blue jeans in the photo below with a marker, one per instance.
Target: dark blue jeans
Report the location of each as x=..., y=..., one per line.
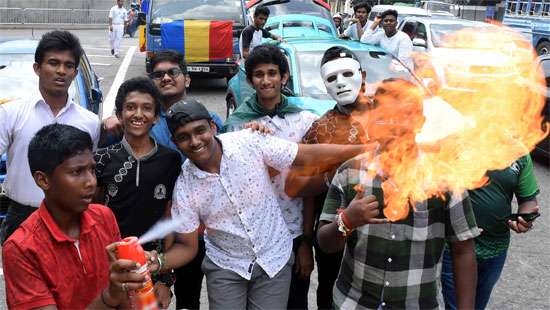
x=488, y=273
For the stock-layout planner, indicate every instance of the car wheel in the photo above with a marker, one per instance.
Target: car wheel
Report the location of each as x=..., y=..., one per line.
x=543, y=48
x=230, y=104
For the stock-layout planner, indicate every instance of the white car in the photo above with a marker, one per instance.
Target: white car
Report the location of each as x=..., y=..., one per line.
x=450, y=63
x=404, y=12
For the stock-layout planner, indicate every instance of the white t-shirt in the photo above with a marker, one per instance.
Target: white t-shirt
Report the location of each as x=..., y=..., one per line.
x=118, y=15
x=400, y=44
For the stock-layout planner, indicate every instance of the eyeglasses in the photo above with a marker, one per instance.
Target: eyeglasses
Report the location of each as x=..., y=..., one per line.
x=174, y=72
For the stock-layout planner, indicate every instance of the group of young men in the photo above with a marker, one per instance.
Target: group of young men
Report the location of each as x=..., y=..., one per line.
x=252, y=202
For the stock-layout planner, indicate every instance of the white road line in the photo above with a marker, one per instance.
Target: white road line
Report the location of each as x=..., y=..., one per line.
x=109, y=102
x=104, y=56
x=99, y=64
x=1, y=272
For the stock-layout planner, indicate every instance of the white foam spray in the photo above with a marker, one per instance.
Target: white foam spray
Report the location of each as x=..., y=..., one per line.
x=160, y=230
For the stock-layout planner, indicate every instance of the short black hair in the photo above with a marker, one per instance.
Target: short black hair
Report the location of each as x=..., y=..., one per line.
x=169, y=56
x=336, y=52
x=58, y=40
x=265, y=54
x=262, y=10
x=389, y=12
x=140, y=84
x=361, y=5
x=55, y=143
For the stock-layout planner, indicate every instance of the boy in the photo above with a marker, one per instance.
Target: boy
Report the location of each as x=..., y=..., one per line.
x=137, y=175
x=57, y=258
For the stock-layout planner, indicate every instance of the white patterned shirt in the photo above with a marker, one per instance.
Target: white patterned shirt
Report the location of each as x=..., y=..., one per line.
x=291, y=128
x=238, y=206
x=19, y=121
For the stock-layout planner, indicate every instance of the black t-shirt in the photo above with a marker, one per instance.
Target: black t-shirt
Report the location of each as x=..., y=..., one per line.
x=251, y=36
x=137, y=191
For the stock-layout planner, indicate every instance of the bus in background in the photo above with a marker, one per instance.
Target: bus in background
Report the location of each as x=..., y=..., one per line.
x=532, y=19
x=191, y=13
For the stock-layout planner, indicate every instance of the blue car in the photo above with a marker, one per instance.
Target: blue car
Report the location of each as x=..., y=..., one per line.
x=305, y=87
x=17, y=80
x=301, y=26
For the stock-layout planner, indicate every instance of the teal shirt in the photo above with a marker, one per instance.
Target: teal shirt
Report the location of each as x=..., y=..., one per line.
x=493, y=204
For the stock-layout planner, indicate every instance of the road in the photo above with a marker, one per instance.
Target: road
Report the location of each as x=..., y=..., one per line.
x=525, y=281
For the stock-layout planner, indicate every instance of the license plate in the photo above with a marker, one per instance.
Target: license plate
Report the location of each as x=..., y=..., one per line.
x=198, y=69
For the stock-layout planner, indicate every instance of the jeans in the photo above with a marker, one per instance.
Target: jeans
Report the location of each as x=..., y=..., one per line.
x=328, y=267
x=16, y=215
x=297, y=299
x=488, y=273
x=187, y=288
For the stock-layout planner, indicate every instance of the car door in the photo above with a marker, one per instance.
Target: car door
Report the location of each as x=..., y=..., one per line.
x=544, y=145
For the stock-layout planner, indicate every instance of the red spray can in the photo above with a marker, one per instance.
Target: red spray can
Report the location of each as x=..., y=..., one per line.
x=130, y=249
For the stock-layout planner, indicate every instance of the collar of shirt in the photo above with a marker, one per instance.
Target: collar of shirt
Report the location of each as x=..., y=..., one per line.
x=130, y=151
x=86, y=224
x=39, y=101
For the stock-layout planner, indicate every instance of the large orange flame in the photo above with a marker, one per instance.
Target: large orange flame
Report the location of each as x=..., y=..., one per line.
x=498, y=120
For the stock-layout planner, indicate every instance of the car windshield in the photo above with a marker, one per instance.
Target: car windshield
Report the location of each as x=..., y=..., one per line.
x=17, y=78
x=380, y=66
x=306, y=7
x=170, y=10
x=441, y=31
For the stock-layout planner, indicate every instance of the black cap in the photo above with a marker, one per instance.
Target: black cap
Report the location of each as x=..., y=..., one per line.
x=185, y=111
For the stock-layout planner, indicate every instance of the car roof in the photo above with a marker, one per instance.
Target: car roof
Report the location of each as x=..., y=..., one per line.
x=305, y=31
x=22, y=46
x=309, y=45
x=446, y=21
x=400, y=9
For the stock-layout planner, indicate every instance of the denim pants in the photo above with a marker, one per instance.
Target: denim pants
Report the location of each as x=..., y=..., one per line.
x=488, y=273
x=17, y=214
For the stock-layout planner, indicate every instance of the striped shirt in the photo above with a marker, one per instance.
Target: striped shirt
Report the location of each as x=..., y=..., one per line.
x=395, y=265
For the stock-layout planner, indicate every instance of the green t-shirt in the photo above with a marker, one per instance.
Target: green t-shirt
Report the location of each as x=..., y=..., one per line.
x=493, y=204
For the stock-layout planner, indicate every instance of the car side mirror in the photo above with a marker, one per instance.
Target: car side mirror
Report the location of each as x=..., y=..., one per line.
x=285, y=90
x=419, y=42
x=97, y=96
x=142, y=18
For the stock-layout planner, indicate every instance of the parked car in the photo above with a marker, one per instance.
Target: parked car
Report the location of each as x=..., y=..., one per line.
x=301, y=26
x=543, y=148
x=305, y=87
x=17, y=80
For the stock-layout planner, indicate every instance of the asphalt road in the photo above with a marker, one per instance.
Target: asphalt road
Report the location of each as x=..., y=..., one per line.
x=525, y=281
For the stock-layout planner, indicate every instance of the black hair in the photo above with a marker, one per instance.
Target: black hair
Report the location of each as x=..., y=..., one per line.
x=265, y=54
x=140, y=84
x=169, y=56
x=58, y=40
x=55, y=143
x=336, y=52
x=262, y=10
x=361, y=5
x=389, y=12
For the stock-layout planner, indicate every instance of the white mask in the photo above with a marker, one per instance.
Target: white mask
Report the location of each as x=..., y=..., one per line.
x=342, y=79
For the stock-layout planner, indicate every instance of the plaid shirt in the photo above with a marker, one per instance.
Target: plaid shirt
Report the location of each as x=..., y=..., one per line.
x=395, y=265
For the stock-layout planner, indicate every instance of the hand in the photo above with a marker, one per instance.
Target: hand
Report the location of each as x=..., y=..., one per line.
x=363, y=210
x=152, y=261
x=281, y=40
x=113, y=126
x=163, y=294
x=353, y=20
x=377, y=20
x=257, y=126
x=304, y=261
x=121, y=279
x=521, y=225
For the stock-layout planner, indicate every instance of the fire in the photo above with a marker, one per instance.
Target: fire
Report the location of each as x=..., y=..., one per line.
x=496, y=119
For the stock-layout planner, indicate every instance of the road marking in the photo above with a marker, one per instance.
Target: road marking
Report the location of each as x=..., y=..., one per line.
x=1, y=272
x=105, y=56
x=99, y=64
x=109, y=102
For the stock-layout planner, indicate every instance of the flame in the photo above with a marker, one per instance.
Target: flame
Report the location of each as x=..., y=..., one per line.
x=499, y=104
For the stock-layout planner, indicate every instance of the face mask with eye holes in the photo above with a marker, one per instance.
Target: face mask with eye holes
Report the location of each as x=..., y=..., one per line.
x=342, y=79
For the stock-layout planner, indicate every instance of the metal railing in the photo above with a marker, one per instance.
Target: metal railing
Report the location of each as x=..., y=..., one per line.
x=52, y=16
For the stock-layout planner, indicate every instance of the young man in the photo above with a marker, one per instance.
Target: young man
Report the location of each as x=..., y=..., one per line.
x=395, y=264
x=252, y=35
x=226, y=185
x=136, y=177
x=267, y=71
x=118, y=19
x=337, y=18
x=56, y=60
x=395, y=41
x=492, y=206
x=57, y=259
x=359, y=23
x=345, y=82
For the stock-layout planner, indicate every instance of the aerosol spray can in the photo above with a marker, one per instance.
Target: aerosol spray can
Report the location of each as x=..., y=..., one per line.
x=130, y=249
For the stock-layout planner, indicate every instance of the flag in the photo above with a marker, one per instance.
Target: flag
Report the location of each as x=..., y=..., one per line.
x=199, y=40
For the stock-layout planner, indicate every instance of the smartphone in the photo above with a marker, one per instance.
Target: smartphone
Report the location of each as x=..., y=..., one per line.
x=528, y=217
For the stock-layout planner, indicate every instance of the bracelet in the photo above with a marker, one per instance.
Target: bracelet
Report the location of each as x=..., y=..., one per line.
x=161, y=260
x=105, y=302
x=342, y=227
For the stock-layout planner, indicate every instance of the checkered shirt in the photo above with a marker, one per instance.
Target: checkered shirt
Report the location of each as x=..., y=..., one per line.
x=395, y=265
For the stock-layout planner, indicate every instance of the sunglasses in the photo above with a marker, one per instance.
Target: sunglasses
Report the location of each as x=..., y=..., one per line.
x=174, y=72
